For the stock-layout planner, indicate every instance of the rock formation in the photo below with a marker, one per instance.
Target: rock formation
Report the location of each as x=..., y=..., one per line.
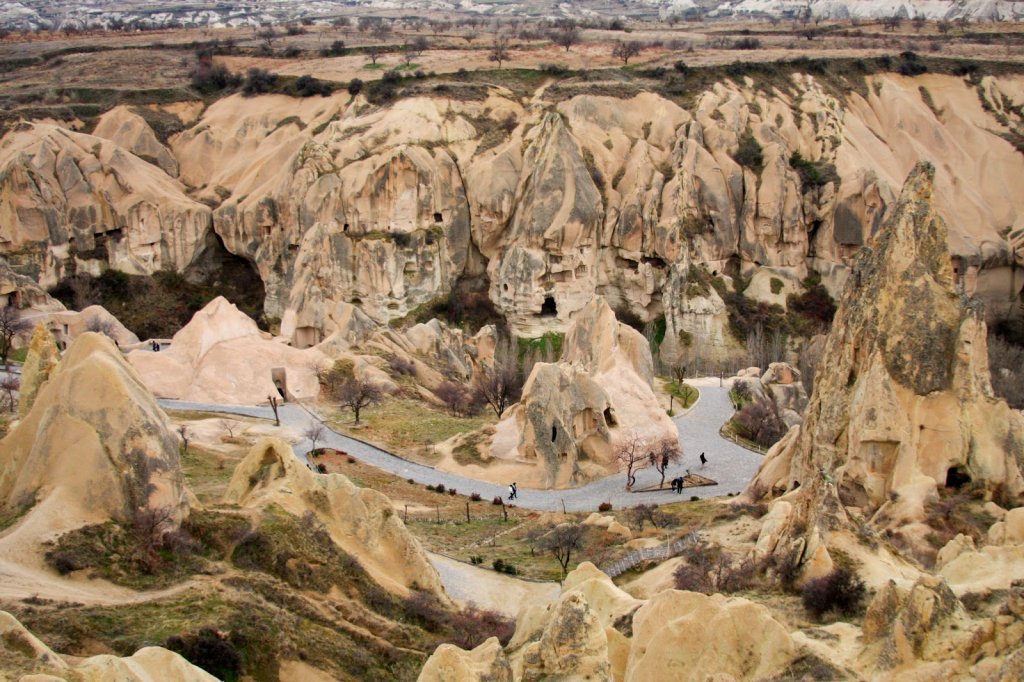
x=902, y=404
x=94, y=445
x=130, y=131
x=596, y=631
x=69, y=200
x=631, y=197
x=40, y=361
x=573, y=414
x=24, y=653
x=361, y=521
x=222, y=356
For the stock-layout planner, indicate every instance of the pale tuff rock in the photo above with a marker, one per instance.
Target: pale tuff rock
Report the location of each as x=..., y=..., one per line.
x=691, y=636
x=222, y=356
x=94, y=445
x=574, y=413
x=992, y=566
x=93, y=318
x=130, y=131
x=40, y=361
x=449, y=663
x=361, y=521
x=926, y=623
x=88, y=199
x=596, y=631
x=150, y=664
x=902, y=396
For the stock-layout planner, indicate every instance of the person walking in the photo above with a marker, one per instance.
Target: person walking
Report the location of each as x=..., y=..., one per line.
x=512, y=491
x=703, y=459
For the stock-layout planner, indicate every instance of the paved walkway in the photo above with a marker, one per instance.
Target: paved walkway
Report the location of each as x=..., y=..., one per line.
x=729, y=464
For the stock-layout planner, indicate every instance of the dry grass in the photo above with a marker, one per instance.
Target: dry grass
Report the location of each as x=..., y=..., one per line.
x=405, y=427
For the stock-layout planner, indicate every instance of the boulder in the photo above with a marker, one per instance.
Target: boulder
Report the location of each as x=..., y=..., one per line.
x=573, y=645
x=361, y=521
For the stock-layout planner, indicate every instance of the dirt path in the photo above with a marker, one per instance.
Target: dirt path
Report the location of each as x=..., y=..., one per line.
x=489, y=589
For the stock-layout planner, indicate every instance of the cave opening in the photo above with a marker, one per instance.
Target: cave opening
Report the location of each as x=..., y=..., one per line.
x=957, y=477
x=609, y=418
x=438, y=218
x=549, y=308
x=554, y=432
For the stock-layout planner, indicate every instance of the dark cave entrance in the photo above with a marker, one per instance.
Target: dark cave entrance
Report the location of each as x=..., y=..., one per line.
x=957, y=477
x=549, y=308
x=221, y=273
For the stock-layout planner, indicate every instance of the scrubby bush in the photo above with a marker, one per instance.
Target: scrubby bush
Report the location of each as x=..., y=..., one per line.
x=402, y=366
x=760, y=421
x=355, y=86
x=209, y=650
x=604, y=507
x=813, y=174
x=841, y=591
x=475, y=497
x=1006, y=362
x=259, y=82
x=308, y=86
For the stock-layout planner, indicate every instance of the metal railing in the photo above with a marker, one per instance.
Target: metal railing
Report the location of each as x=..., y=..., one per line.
x=662, y=553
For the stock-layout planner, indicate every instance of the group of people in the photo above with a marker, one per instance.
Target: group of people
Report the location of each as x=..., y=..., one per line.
x=513, y=492
x=679, y=482
x=154, y=346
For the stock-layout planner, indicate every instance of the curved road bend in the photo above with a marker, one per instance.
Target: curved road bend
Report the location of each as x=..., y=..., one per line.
x=729, y=464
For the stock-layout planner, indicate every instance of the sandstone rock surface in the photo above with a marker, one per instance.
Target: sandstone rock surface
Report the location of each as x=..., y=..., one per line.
x=361, y=521
x=574, y=414
x=903, y=405
x=94, y=445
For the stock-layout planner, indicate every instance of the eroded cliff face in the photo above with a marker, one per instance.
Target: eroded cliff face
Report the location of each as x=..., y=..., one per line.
x=903, y=406
x=553, y=200
x=72, y=201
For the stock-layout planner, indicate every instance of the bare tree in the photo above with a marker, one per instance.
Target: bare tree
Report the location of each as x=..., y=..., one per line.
x=412, y=51
x=11, y=324
x=648, y=513
x=9, y=384
x=633, y=455
x=229, y=426
x=499, y=386
x=764, y=348
x=626, y=50
x=357, y=395
x=457, y=398
x=499, y=49
x=566, y=35
x=315, y=432
x=944, y=26
x=665, y=454
x=562, y=541
x=760, y=421
x=919, y=22
x=382, y=30
x=373, y=52
x=184, y=433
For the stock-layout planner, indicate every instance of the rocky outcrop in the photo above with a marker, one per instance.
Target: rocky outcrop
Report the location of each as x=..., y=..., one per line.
x=25, y=654
x=94, y=444
x=130, y=131
x=632, y=197
x=902, y=403
x=40, y=361
x=221, y=356
x=449, y=663
x=596, y=631
x=72, y=201
x=361, y=521
x=574, y=414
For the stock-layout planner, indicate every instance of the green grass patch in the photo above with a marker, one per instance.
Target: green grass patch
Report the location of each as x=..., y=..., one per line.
x=402, y=425
x=686, y=394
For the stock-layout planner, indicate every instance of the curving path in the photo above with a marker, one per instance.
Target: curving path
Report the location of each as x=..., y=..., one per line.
x=729, y=464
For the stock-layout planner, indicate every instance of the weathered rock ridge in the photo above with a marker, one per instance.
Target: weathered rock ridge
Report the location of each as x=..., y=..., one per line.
x=336, y=201
x=903, y=404
x=361, y=521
